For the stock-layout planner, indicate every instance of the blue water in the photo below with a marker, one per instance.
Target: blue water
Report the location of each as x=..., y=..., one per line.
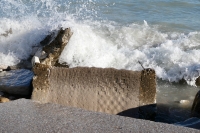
x=162, y=34
x=180, y=15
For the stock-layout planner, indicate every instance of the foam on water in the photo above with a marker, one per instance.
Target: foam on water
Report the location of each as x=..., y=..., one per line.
x=173, y=55
x=17, y=44
x=98, y=42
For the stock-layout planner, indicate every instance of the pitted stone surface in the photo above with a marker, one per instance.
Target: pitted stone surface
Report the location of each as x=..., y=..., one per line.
x=147, y=91
x=97, y=89
x=32, y=117
x=104, y=90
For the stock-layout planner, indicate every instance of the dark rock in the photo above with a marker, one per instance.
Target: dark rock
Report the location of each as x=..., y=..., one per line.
x=48, y=39
x=17, y=82
x=198, y=81
x=32, y=117
x=195, y=112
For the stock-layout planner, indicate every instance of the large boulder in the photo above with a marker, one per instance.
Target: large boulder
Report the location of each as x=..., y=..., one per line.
x=195, y=112
x=32, y=117
x=104, y=90
x=16, y=82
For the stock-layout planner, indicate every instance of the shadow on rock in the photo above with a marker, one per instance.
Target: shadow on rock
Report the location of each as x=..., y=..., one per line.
x=147, y=112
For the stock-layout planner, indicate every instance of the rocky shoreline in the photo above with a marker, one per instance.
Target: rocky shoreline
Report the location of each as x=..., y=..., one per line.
x=42, y=78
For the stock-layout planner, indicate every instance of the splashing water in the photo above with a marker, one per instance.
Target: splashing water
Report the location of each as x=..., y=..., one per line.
x=105, y=35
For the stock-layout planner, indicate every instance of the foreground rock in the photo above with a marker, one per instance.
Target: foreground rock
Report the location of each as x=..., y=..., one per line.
x=104, y=90
x=33, y=117
x=16, y=82
x=195, y=112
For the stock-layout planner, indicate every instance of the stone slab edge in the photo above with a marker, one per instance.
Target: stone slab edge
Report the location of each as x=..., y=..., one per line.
x=30, y=116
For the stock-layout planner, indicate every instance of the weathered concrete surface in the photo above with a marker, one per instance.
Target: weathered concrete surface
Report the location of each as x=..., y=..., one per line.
x=104, y=90
x=147, y=94
x=195, y=112
x=16, y=82
x=32, y=117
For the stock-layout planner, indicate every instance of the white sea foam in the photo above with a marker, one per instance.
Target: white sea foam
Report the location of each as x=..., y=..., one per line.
x=174, y=56
x=98, y=43
x=17, y=45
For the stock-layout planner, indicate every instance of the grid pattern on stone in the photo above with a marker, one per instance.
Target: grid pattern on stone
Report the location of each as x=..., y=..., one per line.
x=112, y=101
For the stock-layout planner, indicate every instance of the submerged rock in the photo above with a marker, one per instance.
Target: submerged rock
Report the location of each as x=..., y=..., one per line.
x=16, y=82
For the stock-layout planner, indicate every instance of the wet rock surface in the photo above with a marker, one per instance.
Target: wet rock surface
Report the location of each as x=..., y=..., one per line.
x=30, y=116
x=16, y=82
x=55, y=48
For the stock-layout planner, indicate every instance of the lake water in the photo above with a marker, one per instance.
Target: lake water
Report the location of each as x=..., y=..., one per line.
x=161, y=34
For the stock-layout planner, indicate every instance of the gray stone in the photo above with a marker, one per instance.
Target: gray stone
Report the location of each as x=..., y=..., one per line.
x=104, y=90
x=17, y=82
x=32, y=117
